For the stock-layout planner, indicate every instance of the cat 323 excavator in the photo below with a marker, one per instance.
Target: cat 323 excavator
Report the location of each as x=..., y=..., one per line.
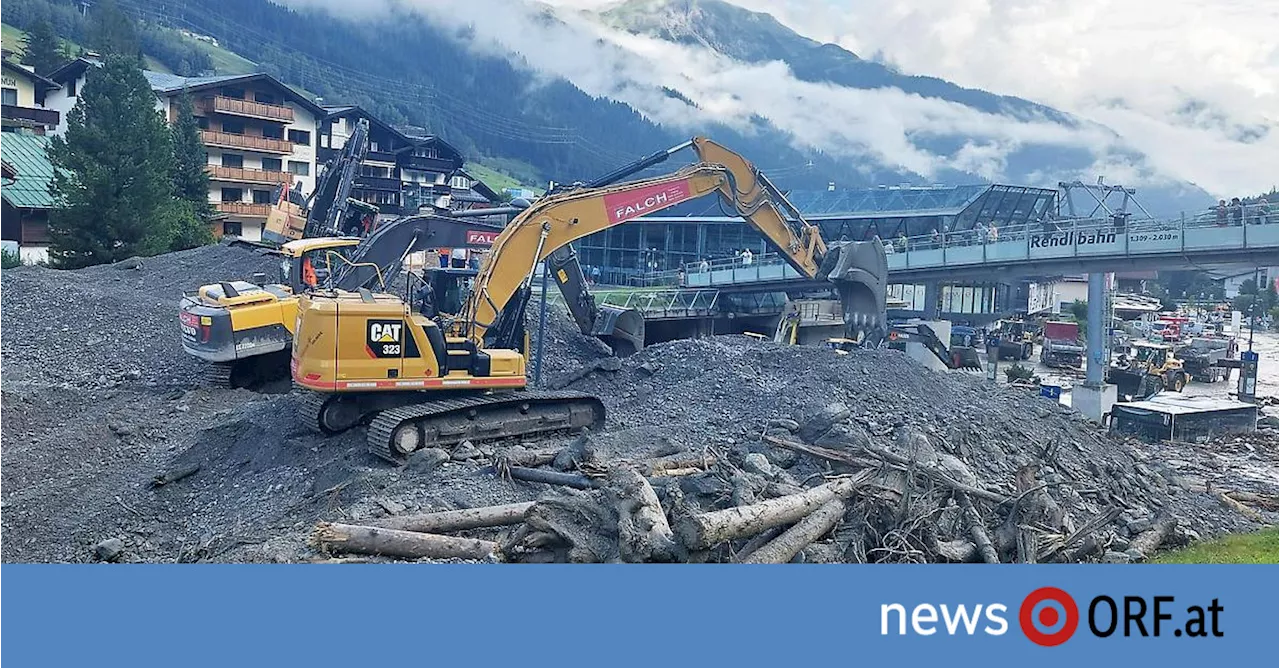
x=420, y=378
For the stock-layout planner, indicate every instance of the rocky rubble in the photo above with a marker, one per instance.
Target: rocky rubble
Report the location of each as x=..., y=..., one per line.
x=712, y=424
x=117, y=322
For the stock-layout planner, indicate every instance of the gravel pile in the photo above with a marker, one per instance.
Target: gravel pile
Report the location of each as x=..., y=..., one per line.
x=112, y=323
x=99, y=399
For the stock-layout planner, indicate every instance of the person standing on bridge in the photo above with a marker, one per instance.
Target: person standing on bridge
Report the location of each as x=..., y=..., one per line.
x=704, y=266
x=1237, y=211
x=1221, y=213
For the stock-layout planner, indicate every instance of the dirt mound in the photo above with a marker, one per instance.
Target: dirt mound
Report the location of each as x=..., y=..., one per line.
x=112, y=323
x=99, y=399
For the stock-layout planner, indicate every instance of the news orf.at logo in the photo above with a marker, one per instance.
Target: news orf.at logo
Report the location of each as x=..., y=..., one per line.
x=1048, y=616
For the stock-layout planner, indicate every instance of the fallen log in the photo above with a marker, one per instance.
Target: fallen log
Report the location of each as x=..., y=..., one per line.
x=960, y=550
x=1150, y=540
x=550, y=477
x=701, y=531
x=671, y=467
x=458, y=520
x=643, y=532
x=331, y=536
x=757, y=541
x=1048, y=549
x=174, y=475
x=1265, y=501
x=1229, y=502
x=978, y=532
x=785, y=547
x=934, y=474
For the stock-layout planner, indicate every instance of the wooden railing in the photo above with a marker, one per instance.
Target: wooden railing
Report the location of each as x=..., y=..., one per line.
x=244, y=208
x=231, y=105
x=221, y=173
x=249, y=142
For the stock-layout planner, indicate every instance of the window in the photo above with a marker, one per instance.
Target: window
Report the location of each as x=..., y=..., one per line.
x=232, y=194
x=10, y=96
x=265, y=98
x=261, y=196
x=460, y=182
x=202, y=122
x=324, y=141
x=272, y=164
x=300, y=137
x=299, y=168
x=426, y=152
x=272, y=132
x=234, y=127
x=237, y=93
x=71, y=88
x=232, y=160
x=231, y=228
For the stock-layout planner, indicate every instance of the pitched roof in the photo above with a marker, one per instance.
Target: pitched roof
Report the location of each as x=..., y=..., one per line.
x=28, y=154
x=39, y=81
x=73, y=69
x=172, y=83
x=344, y=110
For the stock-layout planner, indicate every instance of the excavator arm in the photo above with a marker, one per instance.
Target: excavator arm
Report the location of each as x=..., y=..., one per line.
x=564, y=217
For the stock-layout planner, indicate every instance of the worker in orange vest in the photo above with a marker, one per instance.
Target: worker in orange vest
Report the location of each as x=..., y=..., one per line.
x=308, y=273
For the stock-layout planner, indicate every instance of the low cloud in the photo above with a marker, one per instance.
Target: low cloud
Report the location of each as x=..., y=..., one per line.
x=884, y=125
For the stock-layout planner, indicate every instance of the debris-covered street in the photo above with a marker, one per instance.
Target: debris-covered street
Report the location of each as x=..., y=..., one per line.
x=115, y=450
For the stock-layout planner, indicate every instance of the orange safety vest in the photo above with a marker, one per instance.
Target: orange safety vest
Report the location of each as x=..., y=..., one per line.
x=308, y=272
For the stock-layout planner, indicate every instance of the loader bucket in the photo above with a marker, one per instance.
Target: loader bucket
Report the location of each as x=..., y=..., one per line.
x=621, y=328
x=860, y=272
x=965, y=357
x=1127, y=382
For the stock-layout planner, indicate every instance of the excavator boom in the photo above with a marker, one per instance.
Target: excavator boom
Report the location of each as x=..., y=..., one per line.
x=555, y=221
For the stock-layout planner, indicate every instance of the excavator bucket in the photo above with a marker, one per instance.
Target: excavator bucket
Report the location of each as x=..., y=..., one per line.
x=861, y=273
x=621, y=328
x=965, y=357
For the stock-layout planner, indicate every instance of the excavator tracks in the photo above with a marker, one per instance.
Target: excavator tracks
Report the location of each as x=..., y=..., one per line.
x=396, y=432
x=218, y=375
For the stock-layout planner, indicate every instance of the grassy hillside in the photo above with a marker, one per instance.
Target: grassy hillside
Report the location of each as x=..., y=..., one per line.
x=494, y=178
x=224, y=61
x=14, y=40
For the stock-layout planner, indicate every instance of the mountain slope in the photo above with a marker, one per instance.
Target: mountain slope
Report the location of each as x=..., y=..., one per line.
x=757, y=37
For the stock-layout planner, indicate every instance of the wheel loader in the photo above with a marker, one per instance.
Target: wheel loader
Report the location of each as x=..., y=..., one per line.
x=419, y=378
x=1151, y=368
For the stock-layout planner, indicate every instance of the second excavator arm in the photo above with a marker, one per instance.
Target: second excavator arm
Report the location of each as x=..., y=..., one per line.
x=564, y=217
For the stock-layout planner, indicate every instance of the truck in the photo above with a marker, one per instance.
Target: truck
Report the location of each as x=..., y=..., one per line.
x=1061, y=347
x=1201, y=357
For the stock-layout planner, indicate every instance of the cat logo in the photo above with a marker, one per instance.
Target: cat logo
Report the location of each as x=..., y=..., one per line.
x=384, y=339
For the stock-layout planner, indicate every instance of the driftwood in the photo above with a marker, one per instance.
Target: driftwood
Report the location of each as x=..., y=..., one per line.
x=1229, y=502
x=757, y=541
x=978, y=532
x=701, y=531
x=404, y=544
x=550, y=477
x=457, y=520
x=1264, y=501
x=679, y=466
x=1048, y=549
x=785, y=547
x=174, y=475
x=880, y=454
x=643, y=532
x=1149, y=541
x=959, y=550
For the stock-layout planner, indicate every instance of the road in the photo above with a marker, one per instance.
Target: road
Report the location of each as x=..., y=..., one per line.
x=1267, y=345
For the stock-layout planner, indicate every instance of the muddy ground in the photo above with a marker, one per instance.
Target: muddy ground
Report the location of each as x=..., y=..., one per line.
x=98, y=398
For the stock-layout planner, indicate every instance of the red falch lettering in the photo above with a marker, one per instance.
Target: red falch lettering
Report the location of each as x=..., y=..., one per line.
x=624, y=206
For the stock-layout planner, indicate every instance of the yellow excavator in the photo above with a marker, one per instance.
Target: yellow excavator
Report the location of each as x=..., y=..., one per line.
x=420, y=378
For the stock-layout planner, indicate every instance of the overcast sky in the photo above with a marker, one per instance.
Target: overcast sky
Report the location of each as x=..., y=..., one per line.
x=1192, y=85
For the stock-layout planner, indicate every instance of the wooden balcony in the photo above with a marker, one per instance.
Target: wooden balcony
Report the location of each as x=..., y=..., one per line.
x=244, y=209
x=30, y=116
x=260, y=110
x=242, y=175
x=245, y=142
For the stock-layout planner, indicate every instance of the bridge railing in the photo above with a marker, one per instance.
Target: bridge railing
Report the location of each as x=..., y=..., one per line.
x=1252, y=227
x=674, y=303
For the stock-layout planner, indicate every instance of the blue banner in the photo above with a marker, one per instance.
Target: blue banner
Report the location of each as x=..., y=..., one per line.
x=196, y=615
